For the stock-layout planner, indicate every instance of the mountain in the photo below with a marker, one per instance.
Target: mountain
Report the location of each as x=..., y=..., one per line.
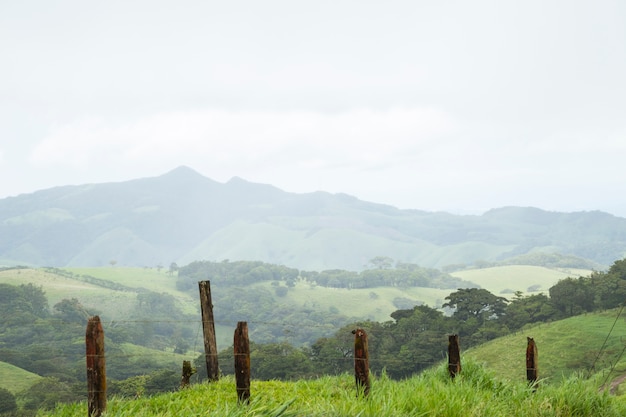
x=182, y=216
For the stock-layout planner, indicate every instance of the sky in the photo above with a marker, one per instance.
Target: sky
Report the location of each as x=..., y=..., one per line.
x=459, y=106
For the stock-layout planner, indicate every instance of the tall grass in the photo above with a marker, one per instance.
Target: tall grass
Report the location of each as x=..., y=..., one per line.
x=475, y=392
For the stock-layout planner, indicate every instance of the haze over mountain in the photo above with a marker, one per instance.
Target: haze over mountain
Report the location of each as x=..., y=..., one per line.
x=182, y=216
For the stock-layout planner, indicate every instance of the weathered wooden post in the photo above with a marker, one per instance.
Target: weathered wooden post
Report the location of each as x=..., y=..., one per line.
x=242, y=361
x=361, y=362
x=96, y=369
x=208, y=328
x=187, y=372
x=454, y=355
x=531, y=363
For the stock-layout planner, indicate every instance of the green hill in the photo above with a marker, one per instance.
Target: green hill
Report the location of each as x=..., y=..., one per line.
x=565, y=347
x=16, y=379
x=529, y=279
x=182, y=216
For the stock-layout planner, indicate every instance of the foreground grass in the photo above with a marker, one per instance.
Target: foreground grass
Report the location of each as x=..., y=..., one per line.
x=475, y=393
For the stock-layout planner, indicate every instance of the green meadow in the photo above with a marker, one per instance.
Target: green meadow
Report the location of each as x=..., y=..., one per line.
x=16, y=379
x=581, y=344
x=508, y=279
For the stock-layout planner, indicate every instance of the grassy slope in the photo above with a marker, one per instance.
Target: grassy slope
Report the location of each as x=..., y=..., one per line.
x=16, y=379
x=330, y=246
x=474, y=393
x=151, y=279
x=518, y=277
x=116, y=303
x=564, y=347
x=358, y=302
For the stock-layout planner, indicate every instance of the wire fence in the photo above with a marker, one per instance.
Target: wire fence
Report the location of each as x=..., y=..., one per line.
x=171, y=364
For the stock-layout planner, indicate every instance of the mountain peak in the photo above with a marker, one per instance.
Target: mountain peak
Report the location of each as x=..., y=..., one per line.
x=183, y=171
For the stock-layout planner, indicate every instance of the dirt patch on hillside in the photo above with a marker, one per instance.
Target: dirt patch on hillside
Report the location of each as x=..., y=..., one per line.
x=614, y=385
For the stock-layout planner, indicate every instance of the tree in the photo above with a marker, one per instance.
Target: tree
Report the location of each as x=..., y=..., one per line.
x=381, y=262
x=572, y=296
x=71, y=310
x=532, y=309
x=7, y=401
x=476, y=303
x=36, y=299
x=279, y=361
x=46, y=393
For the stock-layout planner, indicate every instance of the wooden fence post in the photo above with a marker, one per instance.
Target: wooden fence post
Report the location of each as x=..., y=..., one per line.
x=361, y=362
x=96, y=369
x=187, y=372
x=208, y=328
x=454, y=355
x=242, y=361
x=531, y=362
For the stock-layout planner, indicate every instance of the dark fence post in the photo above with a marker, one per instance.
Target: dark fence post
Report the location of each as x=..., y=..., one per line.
x=96, y=369
x=454, y=355
x=208, y=328
x=531, y=362
x=361, y=362
x=187, y=372
x=242, y=361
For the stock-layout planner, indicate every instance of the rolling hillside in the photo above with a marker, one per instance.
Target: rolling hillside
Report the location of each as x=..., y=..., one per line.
x=182, y=216
x=566, y=347
x=16, y=379
x=529, y=279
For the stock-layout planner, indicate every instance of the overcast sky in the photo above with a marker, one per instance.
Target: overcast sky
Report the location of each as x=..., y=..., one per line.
x=459, y=106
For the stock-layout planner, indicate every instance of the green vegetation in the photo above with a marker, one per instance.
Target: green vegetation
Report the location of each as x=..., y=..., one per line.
x=476, y=392
x=529, y=279
x=16, y=379
x=566, y=347
x=289, y=341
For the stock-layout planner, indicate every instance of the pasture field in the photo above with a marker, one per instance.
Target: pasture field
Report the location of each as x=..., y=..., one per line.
x=364, y=303
x=474, y=393
x=564, y=348
x=16, y=379
x=151, y=279
x=116, y=304
x=508, y=279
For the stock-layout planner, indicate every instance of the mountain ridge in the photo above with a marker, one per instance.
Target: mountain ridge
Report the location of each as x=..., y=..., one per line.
x=182, y=216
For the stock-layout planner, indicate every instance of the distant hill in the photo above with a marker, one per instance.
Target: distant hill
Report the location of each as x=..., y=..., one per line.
x=183, y=216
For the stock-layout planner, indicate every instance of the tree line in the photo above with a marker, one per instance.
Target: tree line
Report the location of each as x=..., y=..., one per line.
x=381, y=271
x=414, y=339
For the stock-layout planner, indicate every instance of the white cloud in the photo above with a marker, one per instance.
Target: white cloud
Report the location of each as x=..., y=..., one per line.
x=238, y=142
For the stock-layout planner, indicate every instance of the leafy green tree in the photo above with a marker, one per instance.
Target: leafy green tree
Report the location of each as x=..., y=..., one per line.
x=413, y=343
x=476, y=303
x=477, y=314
x=279, y=361
x=71, y=310
x=7, y=401
x=36, y=299
x=47, y=392
x=531, y=309
x=572, y=296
